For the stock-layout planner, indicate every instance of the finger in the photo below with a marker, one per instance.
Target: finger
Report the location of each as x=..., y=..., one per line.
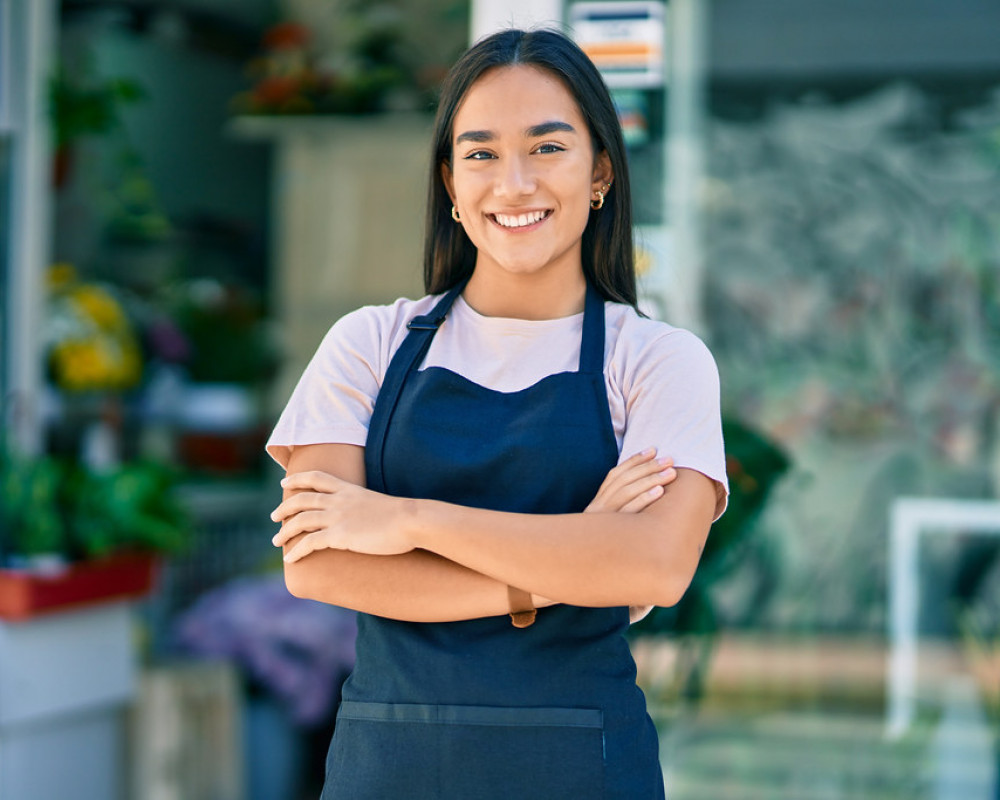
x=303, y=501
x=313, y=480
x=305, y=522
x=319, y=540
x=618, y=478
x=283, y=536
x=637, y=488
x=640, y=467
x=638, y=458
x=661, y=478
x=644, y=500
x=629, y=463
x=636, y=461
x=637, y=472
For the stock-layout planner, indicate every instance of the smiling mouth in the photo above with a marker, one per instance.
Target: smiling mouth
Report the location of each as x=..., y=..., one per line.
x=520, y=220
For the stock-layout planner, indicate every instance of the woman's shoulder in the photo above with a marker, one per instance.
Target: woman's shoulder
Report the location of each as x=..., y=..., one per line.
x=632, y=336
x=385, y=317
x=377, y=325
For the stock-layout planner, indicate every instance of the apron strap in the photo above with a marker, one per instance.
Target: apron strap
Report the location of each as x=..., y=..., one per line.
x=592, y=343
x=410, y=354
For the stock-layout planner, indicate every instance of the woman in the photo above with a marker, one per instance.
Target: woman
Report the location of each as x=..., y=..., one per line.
x=483, y=420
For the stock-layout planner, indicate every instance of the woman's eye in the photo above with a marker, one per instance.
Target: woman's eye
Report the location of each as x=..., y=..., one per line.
x=550, y=148
x=478, y=155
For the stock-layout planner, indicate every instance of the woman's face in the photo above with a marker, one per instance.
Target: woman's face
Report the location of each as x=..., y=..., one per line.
x=523, y=171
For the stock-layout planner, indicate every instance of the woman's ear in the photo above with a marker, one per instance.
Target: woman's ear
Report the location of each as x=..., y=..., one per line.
x=446, y=179
x=604, y=174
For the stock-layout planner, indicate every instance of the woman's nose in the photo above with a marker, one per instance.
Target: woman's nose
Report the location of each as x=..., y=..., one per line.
x=515, y=179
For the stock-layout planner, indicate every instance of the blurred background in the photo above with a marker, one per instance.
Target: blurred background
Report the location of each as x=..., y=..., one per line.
x=192, y=191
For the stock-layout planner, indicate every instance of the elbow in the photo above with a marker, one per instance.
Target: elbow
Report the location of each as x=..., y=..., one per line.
x=300, y=576
x=663, y=587
x=672, y=589
x=296, y=581
x=673, y=572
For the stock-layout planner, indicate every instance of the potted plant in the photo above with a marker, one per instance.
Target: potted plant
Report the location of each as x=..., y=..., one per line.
x=73, y=535
x=77, y=546
x=292, y=78
x=230, y=360
x=80, y=105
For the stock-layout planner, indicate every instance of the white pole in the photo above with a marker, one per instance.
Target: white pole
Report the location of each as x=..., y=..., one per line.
x=33, y=26
x=489, y=16
x=688, y=53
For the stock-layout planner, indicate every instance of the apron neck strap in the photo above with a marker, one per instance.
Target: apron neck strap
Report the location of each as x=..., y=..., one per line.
x=411, y=352
x=433, y=320
x=592, y=344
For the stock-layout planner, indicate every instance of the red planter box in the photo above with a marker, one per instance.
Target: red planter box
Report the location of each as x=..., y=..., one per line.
x=25, y=594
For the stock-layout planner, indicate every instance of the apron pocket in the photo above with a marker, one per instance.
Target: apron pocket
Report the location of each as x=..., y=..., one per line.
x=432, y=752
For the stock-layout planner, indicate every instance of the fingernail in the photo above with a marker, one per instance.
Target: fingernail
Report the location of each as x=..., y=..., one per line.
x=284, y=481
x=648, y=451
x=665, y=461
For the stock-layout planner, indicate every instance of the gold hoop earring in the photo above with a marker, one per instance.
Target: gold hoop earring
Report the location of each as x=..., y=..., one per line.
x=454, y=214
x=598, y=204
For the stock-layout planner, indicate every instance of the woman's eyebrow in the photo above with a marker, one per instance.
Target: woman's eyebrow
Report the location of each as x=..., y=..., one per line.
x=542, y=129
x=549, y=127
x=475, y=136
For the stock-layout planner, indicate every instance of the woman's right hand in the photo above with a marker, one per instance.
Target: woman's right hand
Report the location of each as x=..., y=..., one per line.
x=634, y=484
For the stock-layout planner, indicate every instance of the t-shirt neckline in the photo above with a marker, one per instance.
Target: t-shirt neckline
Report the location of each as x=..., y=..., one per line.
x=461, y=307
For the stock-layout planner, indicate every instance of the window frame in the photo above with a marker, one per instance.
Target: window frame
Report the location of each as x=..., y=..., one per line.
x=27, y=50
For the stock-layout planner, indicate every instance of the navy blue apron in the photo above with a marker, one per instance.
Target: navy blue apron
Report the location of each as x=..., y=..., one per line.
x=479, y=709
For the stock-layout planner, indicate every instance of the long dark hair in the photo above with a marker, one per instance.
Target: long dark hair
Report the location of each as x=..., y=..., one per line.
x=608, y=261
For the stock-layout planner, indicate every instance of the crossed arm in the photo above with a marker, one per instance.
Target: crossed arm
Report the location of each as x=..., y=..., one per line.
x=427, y=561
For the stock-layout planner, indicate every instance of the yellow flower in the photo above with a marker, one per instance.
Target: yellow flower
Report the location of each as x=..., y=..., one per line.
x=99, y=306
x=93, y=346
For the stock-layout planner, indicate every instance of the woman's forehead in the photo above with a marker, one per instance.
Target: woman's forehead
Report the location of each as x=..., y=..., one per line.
x=516, y=98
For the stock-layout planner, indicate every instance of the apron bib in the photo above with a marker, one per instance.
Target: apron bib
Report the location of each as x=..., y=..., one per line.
x=479, y=709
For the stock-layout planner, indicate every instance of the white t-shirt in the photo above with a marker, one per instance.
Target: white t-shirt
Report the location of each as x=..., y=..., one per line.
x=662, y=382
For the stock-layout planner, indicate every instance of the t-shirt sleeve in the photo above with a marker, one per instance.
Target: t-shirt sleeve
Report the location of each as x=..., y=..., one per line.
x=334, y=398
x=672, y=403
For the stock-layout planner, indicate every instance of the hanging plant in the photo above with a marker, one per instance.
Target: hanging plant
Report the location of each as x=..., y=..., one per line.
x=80, y=105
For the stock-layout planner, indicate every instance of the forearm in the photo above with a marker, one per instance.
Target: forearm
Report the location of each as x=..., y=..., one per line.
x=582, y=559
x=579, y=559
x=590, y=559
x=418, y=586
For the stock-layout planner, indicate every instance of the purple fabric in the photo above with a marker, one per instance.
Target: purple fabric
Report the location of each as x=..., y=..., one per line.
x=298, y=650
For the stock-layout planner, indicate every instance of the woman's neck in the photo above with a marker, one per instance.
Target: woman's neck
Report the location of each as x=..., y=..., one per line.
x=533, y=296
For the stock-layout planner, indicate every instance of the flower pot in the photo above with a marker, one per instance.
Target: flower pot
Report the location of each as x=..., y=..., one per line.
x=219, y=429
x=66, y=682
x=26, y=593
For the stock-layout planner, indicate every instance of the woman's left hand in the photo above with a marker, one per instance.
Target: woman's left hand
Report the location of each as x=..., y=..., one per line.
x=329, y=513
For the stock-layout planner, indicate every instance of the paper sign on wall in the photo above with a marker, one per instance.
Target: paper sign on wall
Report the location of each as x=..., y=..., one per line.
x=626, y=40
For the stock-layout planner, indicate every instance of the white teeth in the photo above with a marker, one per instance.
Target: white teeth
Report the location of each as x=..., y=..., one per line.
x=520, y=220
